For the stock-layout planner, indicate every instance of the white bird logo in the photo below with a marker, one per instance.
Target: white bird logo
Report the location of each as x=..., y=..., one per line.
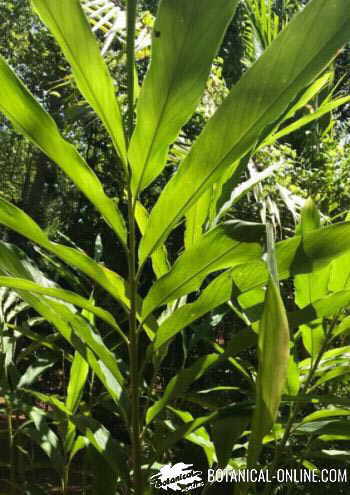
x=176, y=477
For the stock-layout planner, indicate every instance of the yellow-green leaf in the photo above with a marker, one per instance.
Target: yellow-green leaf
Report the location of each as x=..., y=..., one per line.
x=184, y=44
x=292, y=61
x=273, y=345
x=67, y=22
x=31, y=120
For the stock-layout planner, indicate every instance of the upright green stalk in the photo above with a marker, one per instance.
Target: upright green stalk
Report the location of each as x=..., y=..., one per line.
x=130, y=50
x=133, y=336
x=11, y=438
x=65, y=478
x=297, y=405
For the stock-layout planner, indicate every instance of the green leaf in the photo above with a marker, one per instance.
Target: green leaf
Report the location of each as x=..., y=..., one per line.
x=311, y=92
x=79, y=444
x=182, y=431
x=273, y=347
x=199, y=437
x=31, y=120
x=195, y=218
x=63, y=295
x=296, y=255
x=163, y=444
x=323, y=308
x=17, y=220
x=325, y=244
x=235, y=128
x=160, y=261
x=312, y=285
x=225, y=246
x=338, y=372
x=342, y=328
x=77, y=379
x=46, y=438
x=180, y=383
x=313, y=337
x=50, y=399
x=217, y=293
x=225, y=433
x=325, y=413
x=293, y=377
x=184, y=45
x=242, y=189
x=307, y=119
x=75, y=329
x=339, y=277
x=91, y=338
x=35, y=370
x=11, y=263
x=105, y=479
x=310, y=217
x=331, y=427
x=104, y=443
x=67, y=22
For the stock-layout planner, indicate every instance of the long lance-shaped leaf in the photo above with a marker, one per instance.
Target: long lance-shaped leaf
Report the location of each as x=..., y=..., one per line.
x=228, y=191
x=184, y=45
x=196, y=217
x=225, y=433
x=315, y=88
x=297, y=255
x=67, y=22
x=227, y=245
x=307, y=119
x=79, y=335
x=217, y=293
x=160, y=263
x=163, y=444
x=200, y=437
x=78, y=375
x=104, y=443
x=108, y=370
x=322, y=308
x=17, y=220
x=241, y=190
x=273, y=347
x=63, y=295
x=46, y=438
x=72, y=326
x=311, y=286
x=31, y=120
x=181, y=382
x=288, y=65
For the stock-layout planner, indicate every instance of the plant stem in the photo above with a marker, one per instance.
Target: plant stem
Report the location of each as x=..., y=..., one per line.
x=130, y=51
x=11, y=446
x=135, y=427
x=296, y=407
x=65, y=478
x=134, y=357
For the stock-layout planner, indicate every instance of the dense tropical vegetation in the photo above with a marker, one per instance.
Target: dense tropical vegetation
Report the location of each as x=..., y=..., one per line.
x=175, y=242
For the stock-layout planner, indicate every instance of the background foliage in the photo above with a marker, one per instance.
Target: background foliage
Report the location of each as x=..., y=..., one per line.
x=311, y=162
